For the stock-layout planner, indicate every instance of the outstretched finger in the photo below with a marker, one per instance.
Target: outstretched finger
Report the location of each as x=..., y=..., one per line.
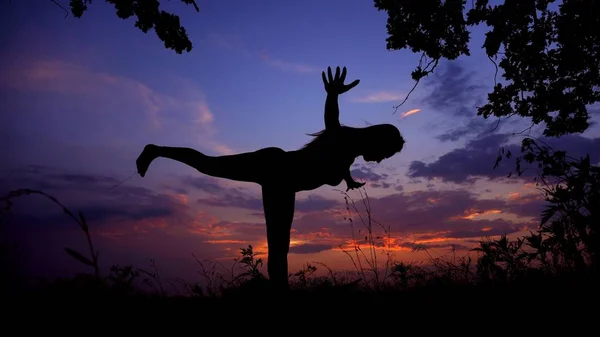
x=324, y=79
x=343, y=77
x=329, y=74
x=337, y=73
x=351, y=85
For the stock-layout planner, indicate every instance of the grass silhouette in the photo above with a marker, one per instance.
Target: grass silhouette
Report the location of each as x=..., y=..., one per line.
x=521, y=270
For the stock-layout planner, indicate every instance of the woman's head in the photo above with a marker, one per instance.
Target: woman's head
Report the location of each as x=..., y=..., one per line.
x=374, y=143
x=379, y=142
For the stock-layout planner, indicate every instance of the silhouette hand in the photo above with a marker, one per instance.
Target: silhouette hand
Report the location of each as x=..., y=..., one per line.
x=336, y=85
x=353, y=184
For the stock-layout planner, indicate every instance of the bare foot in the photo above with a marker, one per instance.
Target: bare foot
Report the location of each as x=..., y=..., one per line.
x=146, y=157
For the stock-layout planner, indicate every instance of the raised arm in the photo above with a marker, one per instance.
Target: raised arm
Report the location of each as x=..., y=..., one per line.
x=332, y=112
x=334, y=86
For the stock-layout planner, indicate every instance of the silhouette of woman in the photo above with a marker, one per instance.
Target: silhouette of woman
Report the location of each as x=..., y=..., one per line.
x=326, y=160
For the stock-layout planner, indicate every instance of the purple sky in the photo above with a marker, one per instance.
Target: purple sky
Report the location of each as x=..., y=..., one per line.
x=81, y=97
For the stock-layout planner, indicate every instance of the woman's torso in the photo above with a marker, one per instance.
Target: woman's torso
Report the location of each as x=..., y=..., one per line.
x=323, y=163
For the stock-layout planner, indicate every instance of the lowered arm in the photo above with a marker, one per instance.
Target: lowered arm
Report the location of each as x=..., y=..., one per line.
x=350, y=183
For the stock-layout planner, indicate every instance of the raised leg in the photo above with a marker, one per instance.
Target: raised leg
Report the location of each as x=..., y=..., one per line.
x=279, y=206
x=257, y=166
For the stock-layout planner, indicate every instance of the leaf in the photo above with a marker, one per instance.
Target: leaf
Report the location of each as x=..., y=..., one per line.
x=84, y=225
x=79, y=257
x=547, y=214
x=498, y=159
x=78, y=7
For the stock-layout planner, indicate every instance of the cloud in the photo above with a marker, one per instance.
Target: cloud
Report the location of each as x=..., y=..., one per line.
x=477, y=158
x=472, y=126
x=525, y=205
x=125, y=222
x=60, y=77
x=309, y=248
x=128, y=221
x=235, y=199
x=129, y=224
x=452, y=89
x=454, y=214
x=378, y=97
x=413, y=245
x=315, y=203
x=453, y=220
x=92, y=194
x=409, y=112
x=364, y=172
x=454, y=92
x=230, y=232
x=467, y=164
x=385, y=185
x=217, y=194
x=94, y=97
x=206, y=184
x=439, y=219
x=240, y=197
x=286, y=66
x=235, y=44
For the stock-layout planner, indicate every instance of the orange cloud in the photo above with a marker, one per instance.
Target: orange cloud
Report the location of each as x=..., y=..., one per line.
x=381, y=243
x=470, y=214
x=224, y=241
x=207, y=225
x=514, y=196
x=378, y=97
x=434, y=240
x=183, y=198
x=524, y=198
x=409, y=112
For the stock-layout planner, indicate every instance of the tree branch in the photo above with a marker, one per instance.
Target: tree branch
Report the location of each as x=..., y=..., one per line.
x=424, y=73
x=61, y=7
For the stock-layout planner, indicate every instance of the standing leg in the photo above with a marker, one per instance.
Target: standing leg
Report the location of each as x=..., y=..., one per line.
x=249, y=166
x=279, y=205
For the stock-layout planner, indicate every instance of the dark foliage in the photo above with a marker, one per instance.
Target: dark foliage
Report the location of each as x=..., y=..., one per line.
x=148, y=16
x=549, y=57
x=568, y=238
